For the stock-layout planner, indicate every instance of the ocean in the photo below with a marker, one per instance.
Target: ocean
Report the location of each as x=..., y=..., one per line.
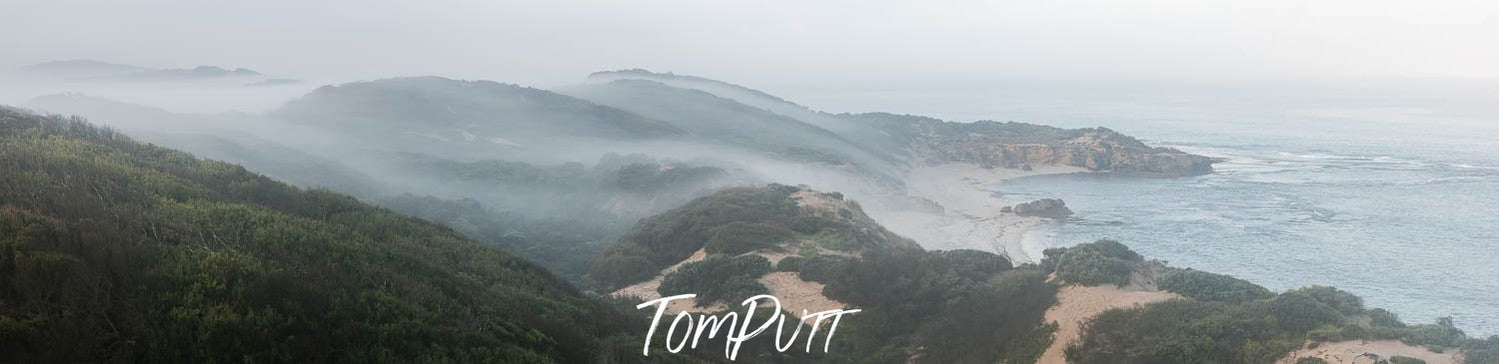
x=1387, y=190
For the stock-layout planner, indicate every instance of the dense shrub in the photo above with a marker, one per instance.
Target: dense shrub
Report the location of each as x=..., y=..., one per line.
x=1100, y=262
x=718, y=278
x=1443, y=333
x=1340, y=300
x=1300, y=313
x=974, y=263
x=671, y=237
x=114, y=251
x=1184, y=331
x=976, y=327
x=1029, y=347
x=1405, y=360
x=822, y=268
x=1204, y=286
x=1379, y=317
x=962, y=306
x=790, y=264
x=1310, y=360
x=1485, y=351
x=742, y=237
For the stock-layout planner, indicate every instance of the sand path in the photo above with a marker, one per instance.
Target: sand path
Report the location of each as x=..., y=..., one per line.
x=1077, y=304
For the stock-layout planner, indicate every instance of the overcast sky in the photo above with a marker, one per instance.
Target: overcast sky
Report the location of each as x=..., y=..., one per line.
x=772, y=42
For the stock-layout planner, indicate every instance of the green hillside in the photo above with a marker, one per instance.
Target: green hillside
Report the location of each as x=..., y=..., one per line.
x=114, y=250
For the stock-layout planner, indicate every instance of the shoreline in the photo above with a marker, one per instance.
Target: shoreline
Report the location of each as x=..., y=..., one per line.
x=969, y=216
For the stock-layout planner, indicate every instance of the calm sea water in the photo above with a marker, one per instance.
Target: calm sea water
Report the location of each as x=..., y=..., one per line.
x=1390, y=193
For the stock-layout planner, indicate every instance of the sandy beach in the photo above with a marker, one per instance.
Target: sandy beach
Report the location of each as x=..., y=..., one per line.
x=970, y=216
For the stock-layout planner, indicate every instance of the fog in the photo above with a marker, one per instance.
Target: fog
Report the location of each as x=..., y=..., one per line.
x=285, y=89
x=789, y=47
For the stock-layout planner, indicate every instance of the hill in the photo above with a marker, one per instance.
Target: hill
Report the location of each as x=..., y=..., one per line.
x=916, y=140
x=466, y=111
x=721, y=120
x=91, y=70
x=819, y=251
x=114, y=250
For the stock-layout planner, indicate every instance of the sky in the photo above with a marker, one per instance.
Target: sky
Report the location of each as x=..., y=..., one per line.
x=772, y=42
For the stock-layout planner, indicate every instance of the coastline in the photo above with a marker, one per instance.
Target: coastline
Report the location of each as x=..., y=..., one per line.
x=969, y=217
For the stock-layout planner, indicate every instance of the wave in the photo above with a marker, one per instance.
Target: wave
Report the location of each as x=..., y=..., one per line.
x=1441, y=180
x=1471, y=166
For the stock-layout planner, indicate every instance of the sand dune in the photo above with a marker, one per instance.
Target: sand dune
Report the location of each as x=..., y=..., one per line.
x=1077, y=304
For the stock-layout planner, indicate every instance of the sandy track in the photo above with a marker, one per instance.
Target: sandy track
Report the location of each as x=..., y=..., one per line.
x=1077, y=304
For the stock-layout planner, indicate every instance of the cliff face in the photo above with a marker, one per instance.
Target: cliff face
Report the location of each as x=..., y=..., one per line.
x=1017, y=145
x=1086, y=152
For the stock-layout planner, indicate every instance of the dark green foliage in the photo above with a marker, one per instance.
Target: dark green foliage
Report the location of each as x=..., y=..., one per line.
x=1100, y=262
x=821, y=268
x=111, y=250
x=742, y=237
x=1233, y=323
x=790, y=264
x=1310, y=360
x=976, y=327
x=1405, y=360
x=1299, y=313
x=1340, y=300
x=566, y=247
x=1184, y=331
x=718, y=278
x=1249, y=330
x=732, y=220
x=1204, y=286
x=974, y=263
x=982, y=305
x=1029, y=347
x=665, y=239
x=1481, y=351
x=1442, y=333
x=1379, y=317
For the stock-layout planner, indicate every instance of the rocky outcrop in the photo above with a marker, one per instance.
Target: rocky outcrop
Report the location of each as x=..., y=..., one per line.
x=1015, y=145
x=1047, y=207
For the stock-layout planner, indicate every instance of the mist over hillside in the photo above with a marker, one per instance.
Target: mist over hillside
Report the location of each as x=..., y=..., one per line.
x=692, y=182
x=636, y=185
x=501, y=161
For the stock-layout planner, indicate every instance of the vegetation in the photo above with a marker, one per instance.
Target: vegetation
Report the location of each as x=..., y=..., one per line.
x=663, y=240
x=1100, y=262
x=1229, y=320
x=1184, y=331
x=732, y=220
x=742, y=237
x=113, y=250
x=718, y=278
x=1405, y=360
x=1204, y=286
x=557, y=216
x=947, y=306
x=1029, y=347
